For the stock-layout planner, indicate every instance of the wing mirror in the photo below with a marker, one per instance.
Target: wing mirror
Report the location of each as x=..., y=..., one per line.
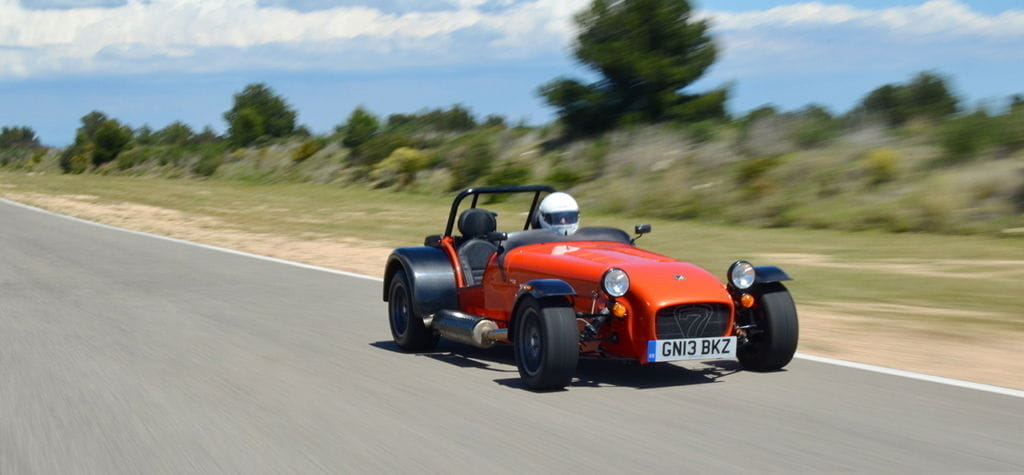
x=640, y=230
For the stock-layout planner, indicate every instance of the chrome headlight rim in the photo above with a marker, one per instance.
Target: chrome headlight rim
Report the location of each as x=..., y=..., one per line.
x=742, y=274
x=615, y=282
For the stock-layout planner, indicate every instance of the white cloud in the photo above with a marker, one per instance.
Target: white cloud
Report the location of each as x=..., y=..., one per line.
x=817, y=39
x=139, y=36
x=949, y=17
x=120, y=38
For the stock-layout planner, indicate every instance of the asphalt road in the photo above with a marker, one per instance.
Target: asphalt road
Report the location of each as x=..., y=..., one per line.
x=125, y=353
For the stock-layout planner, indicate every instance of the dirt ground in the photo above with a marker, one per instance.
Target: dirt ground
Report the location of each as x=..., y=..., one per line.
x=831, y=329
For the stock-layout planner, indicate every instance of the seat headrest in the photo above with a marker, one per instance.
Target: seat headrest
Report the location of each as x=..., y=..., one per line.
x=477, y=222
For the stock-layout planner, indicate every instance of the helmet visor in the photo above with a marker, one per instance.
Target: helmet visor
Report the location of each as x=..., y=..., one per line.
x=562, y=217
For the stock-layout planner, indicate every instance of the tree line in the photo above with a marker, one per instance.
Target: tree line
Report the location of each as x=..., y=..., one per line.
x=647, y=53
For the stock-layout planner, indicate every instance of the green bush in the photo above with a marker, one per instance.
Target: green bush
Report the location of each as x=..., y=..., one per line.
x=752, y=175
x=509, y=173
x=964, y=137
x=456, y=118
x=703, y=131
x=37, y=157
x=360, y=127
x=1008, y=130
x=110, y=139
x=76, y=160
x=400, y=167
x=379, y=147
x=131, y=158
x=596, y=156
x=176, y=133
x=308, y=149
x=753, y=169
x=18, y=137
x=469, y=160
x=927, y=96
x=207, y=164
x=257, y=112
x=563, y=177
x=882, y=164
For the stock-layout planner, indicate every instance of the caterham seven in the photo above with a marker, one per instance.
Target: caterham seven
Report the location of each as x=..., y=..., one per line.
x=559, y=295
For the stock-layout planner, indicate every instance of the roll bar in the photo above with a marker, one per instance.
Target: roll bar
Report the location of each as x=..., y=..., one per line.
x=489, y=190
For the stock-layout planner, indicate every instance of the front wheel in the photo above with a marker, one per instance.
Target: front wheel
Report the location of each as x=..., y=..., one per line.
x=407, y=326
x=772, y=342
x=546, y=343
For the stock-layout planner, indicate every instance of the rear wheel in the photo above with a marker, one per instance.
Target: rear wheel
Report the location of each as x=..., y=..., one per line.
x=546, y=343
x=771, y=344
x=407, y=326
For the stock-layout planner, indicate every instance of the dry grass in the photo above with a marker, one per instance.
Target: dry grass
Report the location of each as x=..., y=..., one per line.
x=946, y=305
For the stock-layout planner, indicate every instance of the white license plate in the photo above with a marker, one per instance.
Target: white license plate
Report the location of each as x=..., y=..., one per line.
x=691, y=349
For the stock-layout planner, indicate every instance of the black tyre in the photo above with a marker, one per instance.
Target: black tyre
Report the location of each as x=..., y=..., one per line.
x=407, y=326
x=772, y=343
x=546, y=343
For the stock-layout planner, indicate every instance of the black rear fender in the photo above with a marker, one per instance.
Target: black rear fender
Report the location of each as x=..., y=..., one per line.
x=430, y=275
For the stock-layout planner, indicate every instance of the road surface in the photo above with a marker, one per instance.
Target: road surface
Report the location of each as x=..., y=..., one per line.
x=123, y=353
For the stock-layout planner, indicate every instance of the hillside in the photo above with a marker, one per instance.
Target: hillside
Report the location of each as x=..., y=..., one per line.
x=770, y=170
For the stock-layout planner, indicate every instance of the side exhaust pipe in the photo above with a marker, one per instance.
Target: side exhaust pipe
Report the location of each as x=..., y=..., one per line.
x=468, y=329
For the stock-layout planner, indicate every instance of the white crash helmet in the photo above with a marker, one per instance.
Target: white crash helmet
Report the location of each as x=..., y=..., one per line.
x=559, y=213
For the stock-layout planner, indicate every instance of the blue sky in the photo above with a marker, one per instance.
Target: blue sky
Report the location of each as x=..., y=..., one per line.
x=156, y=61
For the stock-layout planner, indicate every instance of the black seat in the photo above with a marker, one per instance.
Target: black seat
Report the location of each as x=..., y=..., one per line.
x=476, y=250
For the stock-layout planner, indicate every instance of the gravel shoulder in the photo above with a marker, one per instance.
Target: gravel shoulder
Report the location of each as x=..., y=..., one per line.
x=839, y=329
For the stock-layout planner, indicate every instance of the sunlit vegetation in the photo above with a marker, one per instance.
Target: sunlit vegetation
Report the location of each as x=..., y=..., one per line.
x=908, y=157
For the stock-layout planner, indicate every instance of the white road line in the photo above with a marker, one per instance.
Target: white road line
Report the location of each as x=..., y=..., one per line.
x=912, y=375
x=817, y=359
x=190, y=243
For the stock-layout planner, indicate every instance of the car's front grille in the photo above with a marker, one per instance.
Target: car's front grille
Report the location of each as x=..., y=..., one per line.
x=701, y=320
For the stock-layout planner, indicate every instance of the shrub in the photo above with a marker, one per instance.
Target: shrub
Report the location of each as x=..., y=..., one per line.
x=703, y=131
x=563, y=177
x=110, y=139
x=380, y=147
x=596, y=156
x=18, y=137
x=815, y=127
x=509, y=173
x=258, y=111
x=308, y=149
x=76, y=159
x=131, y=158
x=207, y=165
x=927, y=95
x=963, y=137
x=469, y=161
x=176, y=133
x=1008, y=130
x=400, y=167
x=755, y=168
x=752, y=175
x=360, y=127
x=454, y=119
x=882, y=164
x=495, y=120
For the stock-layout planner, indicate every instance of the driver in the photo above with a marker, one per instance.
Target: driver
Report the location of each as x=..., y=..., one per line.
x=559, y=213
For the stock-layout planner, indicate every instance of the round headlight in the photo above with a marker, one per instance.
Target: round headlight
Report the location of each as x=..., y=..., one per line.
x=741, y=274
x=615, y=282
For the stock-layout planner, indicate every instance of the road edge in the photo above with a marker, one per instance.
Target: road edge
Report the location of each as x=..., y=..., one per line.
x=817, y=359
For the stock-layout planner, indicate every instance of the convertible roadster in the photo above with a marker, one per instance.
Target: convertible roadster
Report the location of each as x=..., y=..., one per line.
x=593, y=293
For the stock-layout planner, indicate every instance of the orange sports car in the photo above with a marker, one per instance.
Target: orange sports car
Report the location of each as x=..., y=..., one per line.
x=593, y=293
